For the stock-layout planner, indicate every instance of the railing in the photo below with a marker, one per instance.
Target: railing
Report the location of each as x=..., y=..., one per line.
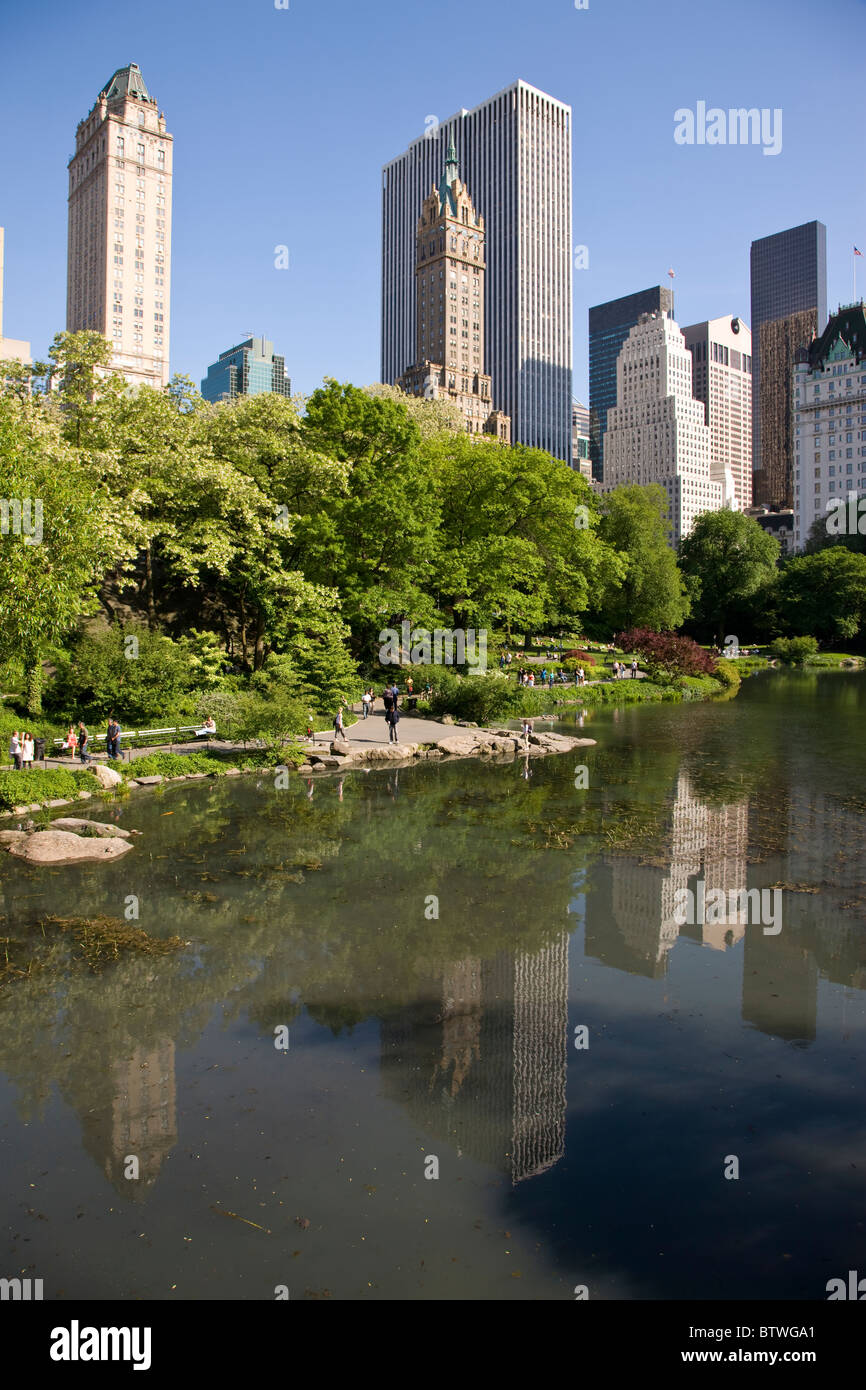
x=133, y=737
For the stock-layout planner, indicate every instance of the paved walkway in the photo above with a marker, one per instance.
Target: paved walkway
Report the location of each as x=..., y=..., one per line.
x=410, y=729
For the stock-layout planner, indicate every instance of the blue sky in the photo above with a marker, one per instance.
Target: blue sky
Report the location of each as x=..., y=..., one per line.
x=283, y=118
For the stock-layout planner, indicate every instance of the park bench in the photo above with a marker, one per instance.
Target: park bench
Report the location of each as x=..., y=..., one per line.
x=138, y=738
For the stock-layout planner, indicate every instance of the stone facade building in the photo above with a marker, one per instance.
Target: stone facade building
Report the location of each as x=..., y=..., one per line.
x=119, y=258
x=722, y=378
x=450, y=267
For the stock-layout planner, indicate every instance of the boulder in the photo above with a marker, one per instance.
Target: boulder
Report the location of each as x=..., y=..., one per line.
x=340, y=748
x=93, y=827
x=84, y=796
x=11, y=837
x=62, y=847
x=147, y=781
x=447, y=719
x=233, y=772
x=459, y=745
x=106, y=776
x=60, y=801
x=389, y=753
x=305, y=768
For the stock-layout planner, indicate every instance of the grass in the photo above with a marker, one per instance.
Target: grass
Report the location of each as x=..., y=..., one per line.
x=48, y=784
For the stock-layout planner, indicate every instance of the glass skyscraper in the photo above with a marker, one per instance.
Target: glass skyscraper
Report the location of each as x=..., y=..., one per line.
x=246, y=370
x=789, y=277
x=609, y=326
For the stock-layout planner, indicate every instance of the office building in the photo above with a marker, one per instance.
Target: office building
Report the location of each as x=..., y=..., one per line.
x=119, y=258
x=11, y=349
x=789, y=307
x=656, y=433
x=609, y=326
x=247, y=369
x=580, y=439
x=450, y=268
x=722, y=378
x=828, y=394
x=515, y=157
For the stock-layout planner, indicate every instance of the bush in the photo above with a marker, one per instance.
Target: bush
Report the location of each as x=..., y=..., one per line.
x=128, y=671
x=169, y=765
x=727, y=673
x=475, y=698
x=48, y=784
x=665, y=654
x=794, y=651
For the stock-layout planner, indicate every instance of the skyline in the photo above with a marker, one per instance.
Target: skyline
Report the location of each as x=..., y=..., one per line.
x=641, y=202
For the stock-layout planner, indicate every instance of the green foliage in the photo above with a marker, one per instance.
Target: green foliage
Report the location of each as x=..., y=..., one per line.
x=824, y=594
x=727, y=672
x=794, y=651
x=648, y=591
x=100, y=678
x=170, y=765
x=274, y=722
x=727, y=560
x=48, y=784
x=481, y=699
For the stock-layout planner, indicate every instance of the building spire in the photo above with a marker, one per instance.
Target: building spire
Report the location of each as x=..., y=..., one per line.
x=451, y=174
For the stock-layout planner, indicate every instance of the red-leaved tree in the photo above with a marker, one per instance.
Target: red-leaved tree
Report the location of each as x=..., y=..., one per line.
x=666, y=653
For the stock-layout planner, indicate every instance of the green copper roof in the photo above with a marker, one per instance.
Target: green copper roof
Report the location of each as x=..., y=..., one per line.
x=452, y=172
x=848, y=326
x=127, y=82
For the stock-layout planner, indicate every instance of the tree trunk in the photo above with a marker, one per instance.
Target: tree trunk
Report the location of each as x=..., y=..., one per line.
x=34, y=685
x=148, y=584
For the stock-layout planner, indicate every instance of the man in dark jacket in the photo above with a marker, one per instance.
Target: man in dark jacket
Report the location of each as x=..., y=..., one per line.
x=392, y=717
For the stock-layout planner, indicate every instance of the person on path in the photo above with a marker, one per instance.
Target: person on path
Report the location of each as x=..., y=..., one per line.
x=581, y=676
x=392, y=718
x=15, y=750
x=387, y=699
x=395, y=694
x=616, y=670
x=633, y=668
x=339, y=731
x=550, y=680
x=27, y=752
x=366, y=702
x=83, y=741
x=70, y=741
x=112, y=735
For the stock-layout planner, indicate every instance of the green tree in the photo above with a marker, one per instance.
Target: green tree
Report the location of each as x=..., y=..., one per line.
x=727, y=558
x=650, y=591
x=57, y=536
x=824, y=594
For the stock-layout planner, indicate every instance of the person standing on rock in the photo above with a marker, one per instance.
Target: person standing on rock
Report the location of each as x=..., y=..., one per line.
x=339, y=731
x=83, y=741
x=392, y=718
x=15, y=750
x=527, y=732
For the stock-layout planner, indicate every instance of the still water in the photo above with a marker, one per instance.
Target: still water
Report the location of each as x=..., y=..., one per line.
x=419, y=1042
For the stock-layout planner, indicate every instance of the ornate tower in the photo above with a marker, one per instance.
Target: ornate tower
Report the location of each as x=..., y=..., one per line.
x=449, y=273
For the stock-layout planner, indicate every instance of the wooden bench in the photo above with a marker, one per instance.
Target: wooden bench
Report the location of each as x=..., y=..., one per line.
x=136, y=738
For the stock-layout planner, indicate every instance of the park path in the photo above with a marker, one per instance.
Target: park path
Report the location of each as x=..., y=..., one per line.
x=374, y=730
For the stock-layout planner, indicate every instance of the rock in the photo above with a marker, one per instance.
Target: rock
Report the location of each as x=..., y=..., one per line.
x=61, y=801
x=106, y=776
x=389, y=753
x=447, y=719
x=328, y=762
x=305, y=768
x=233, y=772
x=435, y=753
x=20, y=810
x=147, y=781
x=340, y=748
x=84, y=796
x=96, y=827
x=61, y=847
x=11, y=837
x=195, y=776
x=458, y=745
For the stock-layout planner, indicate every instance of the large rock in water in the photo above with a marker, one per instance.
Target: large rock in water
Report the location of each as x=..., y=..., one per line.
x=105, y=776
x=90, y=827
x=62, y=847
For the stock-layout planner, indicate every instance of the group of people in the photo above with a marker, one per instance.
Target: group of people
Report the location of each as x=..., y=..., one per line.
x=620, y=669
x=22, y=748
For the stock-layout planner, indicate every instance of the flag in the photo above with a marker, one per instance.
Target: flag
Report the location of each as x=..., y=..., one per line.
x=671, y=274
x=857, y=253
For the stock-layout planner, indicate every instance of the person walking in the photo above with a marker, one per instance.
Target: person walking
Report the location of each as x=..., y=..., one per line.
x=112, y=734
x=339, y=732
x=70, y=741
x=366, y=702
x=392, y=717
x=616, y=670
x=387, y=699
x=395, y=694
x=581, y=676
x=15, y=750
x=527, y=731
x=83, y=742
x=27, y=752
x=550, y=680
x=634, y=668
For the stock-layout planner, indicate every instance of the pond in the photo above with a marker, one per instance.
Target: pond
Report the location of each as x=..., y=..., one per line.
x=445, y=1032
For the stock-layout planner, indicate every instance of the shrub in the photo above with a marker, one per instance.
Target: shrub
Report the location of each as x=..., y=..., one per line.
x=727, y=673
x=48, y=784
x=169, y=765
x=665, y=654
x=794, y=651
x=474, y=698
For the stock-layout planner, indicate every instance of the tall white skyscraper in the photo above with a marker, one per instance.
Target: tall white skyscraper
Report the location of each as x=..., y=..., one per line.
x=515, y=156
x=119, y=264
x=656, y=432
x=722, y=378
